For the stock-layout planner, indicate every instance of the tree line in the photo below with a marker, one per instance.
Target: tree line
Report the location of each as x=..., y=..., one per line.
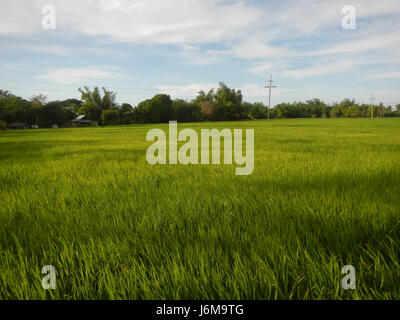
x=347, y=108
x=219, y=104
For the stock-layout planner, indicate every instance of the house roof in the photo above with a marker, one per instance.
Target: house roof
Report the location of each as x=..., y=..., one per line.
x=80, y=117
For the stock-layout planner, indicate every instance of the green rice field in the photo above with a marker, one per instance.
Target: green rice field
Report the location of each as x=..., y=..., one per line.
x=324, y=193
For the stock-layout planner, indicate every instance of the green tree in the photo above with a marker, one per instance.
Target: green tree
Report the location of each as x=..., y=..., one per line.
x=202, y=96
x=258, y=111
x=338, y=110
x=398, y=110
x=316, y=108
x=91, y=110
x=185, y=111
x=126, y=113
x=71, y=108
x=155, y=110
x=205, y=101
x=14, y=109
x=353, y=111
x=110, y=116
x=228, y=102
x=207, y=109
x=93, y=103
x=53, y=112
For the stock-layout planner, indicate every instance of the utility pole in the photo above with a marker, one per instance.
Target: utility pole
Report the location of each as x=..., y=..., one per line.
x=372, y=105
x=270, y=86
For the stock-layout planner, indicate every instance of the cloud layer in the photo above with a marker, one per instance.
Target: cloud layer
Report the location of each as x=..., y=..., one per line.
x=294, y=39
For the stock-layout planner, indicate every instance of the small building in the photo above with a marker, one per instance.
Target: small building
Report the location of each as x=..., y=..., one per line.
x=82, y=121
x=55, y=126
x=16, y=125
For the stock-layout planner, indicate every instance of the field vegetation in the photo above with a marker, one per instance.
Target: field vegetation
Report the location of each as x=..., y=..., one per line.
x=324, y=194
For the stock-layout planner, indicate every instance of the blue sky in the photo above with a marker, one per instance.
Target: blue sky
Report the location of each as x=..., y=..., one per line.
x=138, y=48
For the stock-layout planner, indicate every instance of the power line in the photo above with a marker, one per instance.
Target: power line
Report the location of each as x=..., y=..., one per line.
x=270, y=86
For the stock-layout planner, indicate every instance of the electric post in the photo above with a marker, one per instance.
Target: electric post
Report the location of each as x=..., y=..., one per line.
x=372, y=105
x=270, y=86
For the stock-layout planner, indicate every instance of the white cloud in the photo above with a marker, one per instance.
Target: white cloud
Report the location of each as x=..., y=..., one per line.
x=261, y=68
x=195, y=56
x=295, y=38
x=302, y=17
x=366, y=42
x=320, y=69
x=56, y=50
x=258, y=48
x=76, y=75
x=152, y=21
x=189, y=90
x=381, y=76
x=388, y=96
x=19, y=18
x=248, y=29
x=188, y=21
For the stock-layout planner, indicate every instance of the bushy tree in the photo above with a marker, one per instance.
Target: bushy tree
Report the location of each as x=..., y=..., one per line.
x=206, y=104
x=202, y=96
x=185, y=111
x=389, y=112
x=35, y=111
x=14, y=109
x=353, y=111
x=208, y=109
x=398, y=110
x=336, y=111
x=317, y=108
x=258, y=111
x=93, y=103
x=110, y=116
x=53, y=113
x=292, y=110
x=221, y=104
x=91, y=110
x=155, y=110
x=227, y=102
x=126, y=113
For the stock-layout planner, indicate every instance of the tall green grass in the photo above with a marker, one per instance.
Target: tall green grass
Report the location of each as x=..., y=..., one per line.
x=324, y=193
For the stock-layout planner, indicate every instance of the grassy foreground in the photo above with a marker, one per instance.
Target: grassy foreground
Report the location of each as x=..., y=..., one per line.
x=324, y=193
